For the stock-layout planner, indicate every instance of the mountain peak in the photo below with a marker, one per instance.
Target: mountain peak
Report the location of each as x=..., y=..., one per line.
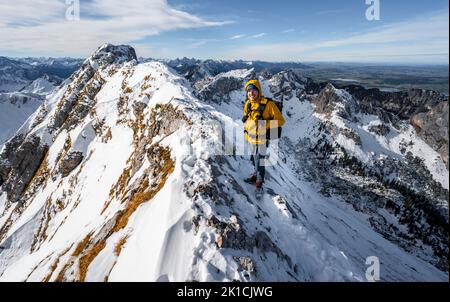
x=110, y=54
x=331, y=99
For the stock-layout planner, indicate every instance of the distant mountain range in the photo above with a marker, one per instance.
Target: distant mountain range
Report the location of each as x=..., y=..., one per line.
x=16, y=74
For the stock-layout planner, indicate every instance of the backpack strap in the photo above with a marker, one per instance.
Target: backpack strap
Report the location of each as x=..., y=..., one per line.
x=261, y=108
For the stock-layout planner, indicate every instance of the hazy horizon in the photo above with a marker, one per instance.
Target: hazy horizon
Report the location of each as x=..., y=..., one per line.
x=232, y=60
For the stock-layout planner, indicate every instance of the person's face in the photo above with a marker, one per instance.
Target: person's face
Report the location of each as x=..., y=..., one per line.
x=252, y=94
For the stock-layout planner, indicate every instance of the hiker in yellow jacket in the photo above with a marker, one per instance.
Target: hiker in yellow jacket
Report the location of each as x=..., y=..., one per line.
x=262, y=118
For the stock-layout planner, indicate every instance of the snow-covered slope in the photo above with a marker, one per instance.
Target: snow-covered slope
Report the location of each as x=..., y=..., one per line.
x=24, y=95
x=126, y=178
x=43, y=85
x=15, y=108
x=14, y=75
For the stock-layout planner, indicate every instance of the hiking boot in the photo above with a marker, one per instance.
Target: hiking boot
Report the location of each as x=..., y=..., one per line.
x=251, y=179
x=259, y=184
x=259, y=190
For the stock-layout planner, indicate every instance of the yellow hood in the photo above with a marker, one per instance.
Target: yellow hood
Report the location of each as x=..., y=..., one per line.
x=257, y=84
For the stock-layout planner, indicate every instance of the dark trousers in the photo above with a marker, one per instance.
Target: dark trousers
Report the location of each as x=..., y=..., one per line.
x=257, y=157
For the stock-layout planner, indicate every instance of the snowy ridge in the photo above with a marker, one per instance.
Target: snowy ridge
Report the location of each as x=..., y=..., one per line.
x=130, y=187
x=15, y=108
x=24, y=95
x=369, y=146
x=43, y=85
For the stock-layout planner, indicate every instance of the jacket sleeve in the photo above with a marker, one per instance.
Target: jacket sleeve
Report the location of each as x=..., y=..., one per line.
x=245, y=107
x=244, y=117
x=276, y=115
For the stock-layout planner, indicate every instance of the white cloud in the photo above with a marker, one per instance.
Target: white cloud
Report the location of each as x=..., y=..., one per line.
x=288, y=31
x=426, y=36
x=421, y=29
x=37, y=11
x=196, y=43
x=258, y=35
x=331, y=11
x=39, y=26
x=244, y=35
x=237, y=37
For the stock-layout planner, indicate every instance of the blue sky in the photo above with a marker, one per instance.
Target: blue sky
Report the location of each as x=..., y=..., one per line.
x=409, y=31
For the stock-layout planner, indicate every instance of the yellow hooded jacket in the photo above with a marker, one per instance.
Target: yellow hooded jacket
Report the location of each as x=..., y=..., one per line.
x=255, y=131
